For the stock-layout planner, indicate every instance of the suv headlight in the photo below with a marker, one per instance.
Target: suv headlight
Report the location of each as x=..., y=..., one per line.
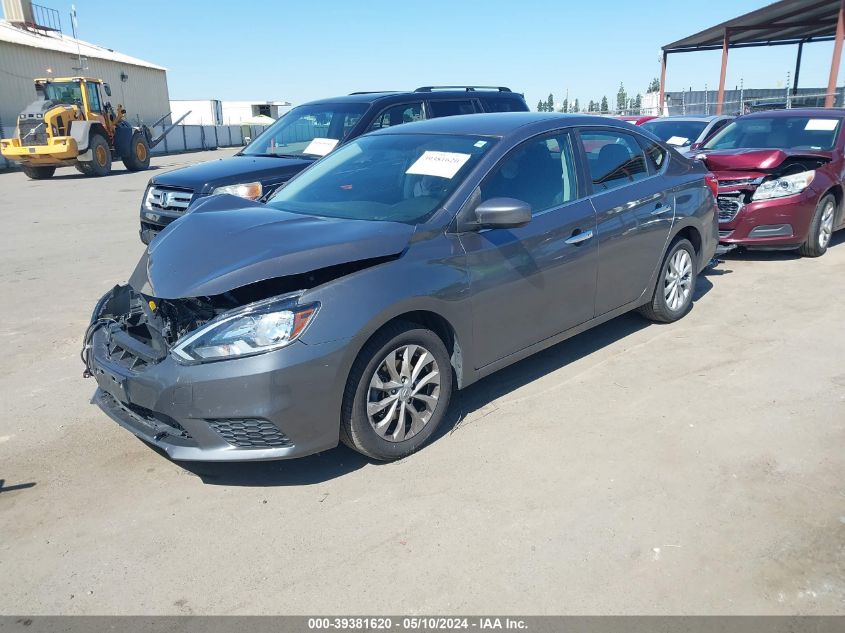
x=784, y=186
x=254, y=329
x=248, y=190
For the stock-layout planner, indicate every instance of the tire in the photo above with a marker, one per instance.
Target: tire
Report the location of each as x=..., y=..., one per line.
x=100, y=165
x=138, y=158
x=433, y=381
x=666, y=306
x=821, y=228
x=84, y=168
x=38, y=173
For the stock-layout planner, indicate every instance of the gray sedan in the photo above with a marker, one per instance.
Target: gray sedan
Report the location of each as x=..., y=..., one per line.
x=686, y=132
x=409, y=263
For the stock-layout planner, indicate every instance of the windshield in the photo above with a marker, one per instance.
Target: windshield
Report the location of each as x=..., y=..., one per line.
x=396, y=177
x=678, y=133
x=67, y=92
x=777, y=132
x=308, y=131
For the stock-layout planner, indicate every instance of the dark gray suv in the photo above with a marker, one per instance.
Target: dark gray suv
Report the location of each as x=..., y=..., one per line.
x=407, y=263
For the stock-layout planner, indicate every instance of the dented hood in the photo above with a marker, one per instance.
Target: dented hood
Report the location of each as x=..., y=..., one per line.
x=753, y=159
x=227, y=242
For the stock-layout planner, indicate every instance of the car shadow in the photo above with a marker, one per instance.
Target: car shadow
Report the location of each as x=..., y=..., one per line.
x=343, y=460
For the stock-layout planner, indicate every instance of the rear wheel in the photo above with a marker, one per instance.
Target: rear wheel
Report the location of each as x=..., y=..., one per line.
x=821, y=228
x=675, y=286
x=84, y=168
x=397, y=393
x=100, y=165
x=138, y=158
x=39, y=173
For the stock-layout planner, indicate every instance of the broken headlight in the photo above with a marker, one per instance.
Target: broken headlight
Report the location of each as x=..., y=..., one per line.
x=254, y=329
x=784, y=186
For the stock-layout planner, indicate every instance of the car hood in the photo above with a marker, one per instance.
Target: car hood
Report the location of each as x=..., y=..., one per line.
x=227, y=243
x=203, y=177
x=752, y=159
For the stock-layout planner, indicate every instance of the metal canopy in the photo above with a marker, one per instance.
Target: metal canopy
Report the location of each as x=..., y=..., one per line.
x=780, y=23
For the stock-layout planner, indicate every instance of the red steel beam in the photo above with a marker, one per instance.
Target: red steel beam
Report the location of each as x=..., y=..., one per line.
x=830, y=99
x=726, y=44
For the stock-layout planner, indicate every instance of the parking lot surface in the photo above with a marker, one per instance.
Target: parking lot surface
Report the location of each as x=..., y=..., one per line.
x=689, y=468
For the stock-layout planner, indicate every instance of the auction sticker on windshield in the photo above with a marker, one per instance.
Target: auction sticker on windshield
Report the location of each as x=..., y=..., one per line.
x=442, y=164
x=677, y=140
x=320, y=146
x=826, y=125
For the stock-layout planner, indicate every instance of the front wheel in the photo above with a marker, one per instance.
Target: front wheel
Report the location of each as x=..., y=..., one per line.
x=100, y=165
x=39, y=173
x=675, y=286
x=138, y=158
x=821, y=228
x=397, y=393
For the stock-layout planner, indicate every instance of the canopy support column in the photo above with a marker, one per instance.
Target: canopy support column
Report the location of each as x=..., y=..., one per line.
x=797, y=68
x=830, y=99
x=662, y=97
x=726, y=43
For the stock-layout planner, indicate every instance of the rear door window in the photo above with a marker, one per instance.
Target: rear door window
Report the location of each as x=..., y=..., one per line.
x=614, y=159
x=397, y=115
x=503, y=104
x=452, y=107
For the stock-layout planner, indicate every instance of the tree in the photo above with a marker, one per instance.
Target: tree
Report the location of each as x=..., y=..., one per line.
x=654, y=86
x=590, y=106
x=541, y=106
x=604, y=105
x=638, y=103
x=565, y=105
x=621, y=97
x=576, y=107
x=550, y=103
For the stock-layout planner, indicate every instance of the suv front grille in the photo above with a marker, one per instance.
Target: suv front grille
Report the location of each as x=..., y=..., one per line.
x=168, y=199
x=250, y=433
x=32, y=131
x=729, y=206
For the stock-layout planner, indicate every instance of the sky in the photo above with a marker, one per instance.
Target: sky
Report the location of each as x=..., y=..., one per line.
x=303, y=50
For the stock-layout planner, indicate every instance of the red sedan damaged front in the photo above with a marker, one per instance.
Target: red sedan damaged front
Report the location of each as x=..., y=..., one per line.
x=780, y=180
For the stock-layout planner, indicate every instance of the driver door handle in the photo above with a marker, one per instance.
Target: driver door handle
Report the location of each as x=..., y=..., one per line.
x=661, y=209
x=578, y=238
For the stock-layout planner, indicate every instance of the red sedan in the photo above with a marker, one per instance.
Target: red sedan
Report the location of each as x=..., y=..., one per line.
x=636, y=120
x=780, y=179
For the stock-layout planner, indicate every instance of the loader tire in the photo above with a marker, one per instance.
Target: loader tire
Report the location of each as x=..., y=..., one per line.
x=138, y=157
x=39, y=173
x=101, y=154
x=84, y=168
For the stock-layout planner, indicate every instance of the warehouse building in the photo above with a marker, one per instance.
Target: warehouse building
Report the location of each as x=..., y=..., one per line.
x=216, y=112
x=32, y=45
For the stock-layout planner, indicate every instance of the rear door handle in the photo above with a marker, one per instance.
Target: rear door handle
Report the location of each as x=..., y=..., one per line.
x=580, y=237
x=661, y=209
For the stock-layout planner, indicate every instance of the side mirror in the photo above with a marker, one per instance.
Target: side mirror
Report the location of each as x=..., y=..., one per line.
x=107, y=88
x=502, y=213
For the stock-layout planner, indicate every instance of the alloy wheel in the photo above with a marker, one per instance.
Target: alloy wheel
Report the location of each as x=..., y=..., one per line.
x=677, y=282
x=826, y=225
x=404, y=392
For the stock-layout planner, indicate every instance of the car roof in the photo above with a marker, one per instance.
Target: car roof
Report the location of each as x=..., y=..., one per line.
x=816, y=112
x=402, y=95
x=691, y=118
x=500, y=123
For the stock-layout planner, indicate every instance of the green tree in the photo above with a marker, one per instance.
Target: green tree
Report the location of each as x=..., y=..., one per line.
x=541, y=106
x=621, y=97
x=590, y=106
x=654, y=86
x=604, y=105
x=576, y=107
x=565, y=107
x=638, y=102
x=550, y=103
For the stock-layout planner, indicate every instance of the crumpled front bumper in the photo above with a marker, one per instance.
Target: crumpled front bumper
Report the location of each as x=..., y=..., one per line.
x=776, y=223
x=278, y=405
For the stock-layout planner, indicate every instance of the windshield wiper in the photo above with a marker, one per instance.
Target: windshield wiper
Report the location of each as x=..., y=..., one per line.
x=279, y=155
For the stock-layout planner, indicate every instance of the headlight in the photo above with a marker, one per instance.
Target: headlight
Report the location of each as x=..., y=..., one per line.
x=784, y=186
x=254, y=329
x=148, y=195
x=249, y=190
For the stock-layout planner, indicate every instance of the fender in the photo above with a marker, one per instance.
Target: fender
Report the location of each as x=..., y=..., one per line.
x=81, y=132
x=123, y=133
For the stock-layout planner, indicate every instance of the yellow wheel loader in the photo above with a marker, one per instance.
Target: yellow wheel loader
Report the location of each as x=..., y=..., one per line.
x=72, y=123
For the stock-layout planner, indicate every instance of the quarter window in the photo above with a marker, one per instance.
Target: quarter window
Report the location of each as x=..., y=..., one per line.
x=615, y=159
x=397, y=115
x=541, y=173
x=655, y=154
x=93, y=97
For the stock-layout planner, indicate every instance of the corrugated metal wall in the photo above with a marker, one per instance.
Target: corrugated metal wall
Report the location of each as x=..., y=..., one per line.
x=143, y=94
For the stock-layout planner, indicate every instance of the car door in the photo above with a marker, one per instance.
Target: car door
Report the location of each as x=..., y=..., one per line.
x=634, y=213
x=532, y=282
